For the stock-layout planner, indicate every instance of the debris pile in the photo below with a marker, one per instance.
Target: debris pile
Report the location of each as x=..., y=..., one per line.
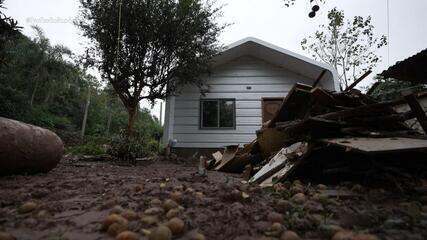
x=317, y=132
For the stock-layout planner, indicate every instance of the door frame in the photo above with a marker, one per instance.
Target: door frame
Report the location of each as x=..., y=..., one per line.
x=263, y=100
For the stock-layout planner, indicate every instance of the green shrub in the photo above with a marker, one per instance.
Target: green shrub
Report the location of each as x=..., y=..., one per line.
x=125, y=148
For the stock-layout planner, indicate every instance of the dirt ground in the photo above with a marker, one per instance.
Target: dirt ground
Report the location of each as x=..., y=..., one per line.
x=73, y=200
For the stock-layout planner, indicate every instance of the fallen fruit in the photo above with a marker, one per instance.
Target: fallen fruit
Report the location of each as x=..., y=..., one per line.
x=130, y=215
x=161, y=233
x=116, y=228
x=155, y=203
x=149, y=220
x=114, y=218
x=27, y=207
x=176, y=226
x=343, y=235
x=169, y=204
x=6, y=236
x=290, y=235
x=172, y=213
x=176, y=196
x=127, y=235
x=153, y=211
x=275, y=217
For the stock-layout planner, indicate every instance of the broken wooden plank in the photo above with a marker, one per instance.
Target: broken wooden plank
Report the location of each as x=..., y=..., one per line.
x=229, y=153
x=354, y=84
x=271, y=140
x=379, y=145
x=418, y=110
x=319, y=78
x=217, y=157
x=278, y=162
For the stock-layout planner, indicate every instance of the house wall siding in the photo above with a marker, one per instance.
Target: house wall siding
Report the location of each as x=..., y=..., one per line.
x=230, y=81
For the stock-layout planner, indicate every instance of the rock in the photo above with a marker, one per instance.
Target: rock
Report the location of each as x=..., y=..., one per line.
x=149, y=220
x=154, y=211
x=343, y=235
x=26, y=148
x=172, y=213
x=127, y=235
x=275, y=217
x=299, y=198
x=169, y=204
x=195, y=236
x=6, y=236
x=290, y=235
x=27, y=207
x=330, y=229
x=161, y=233
x=130, y=215
x=176, y=196
x=365, y=237
x=116, y=228
x=114, y=218
x=176, y=226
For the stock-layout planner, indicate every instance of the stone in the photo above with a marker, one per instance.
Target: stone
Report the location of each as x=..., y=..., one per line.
x=25, y=148
x=343, y=235
x=155, y=203
x=117, y=209
x=290, y=235
x=299, y=198
x=283, y=206
x=176, y=226
x=169, y=204
x=6, y=236
x=275, y=230
x=127, y=235
x=27, y=207
x=275, y=217
x=161, y=233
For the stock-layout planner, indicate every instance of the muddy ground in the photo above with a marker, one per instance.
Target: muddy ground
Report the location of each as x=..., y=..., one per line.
x=73, y=200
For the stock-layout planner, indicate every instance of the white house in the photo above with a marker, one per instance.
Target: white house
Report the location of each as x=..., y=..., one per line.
x=246, y=85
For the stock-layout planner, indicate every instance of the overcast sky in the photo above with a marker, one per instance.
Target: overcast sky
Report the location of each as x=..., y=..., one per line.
x=268, y=20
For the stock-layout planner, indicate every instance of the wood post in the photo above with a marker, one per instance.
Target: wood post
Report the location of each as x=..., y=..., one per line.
x=417, y=109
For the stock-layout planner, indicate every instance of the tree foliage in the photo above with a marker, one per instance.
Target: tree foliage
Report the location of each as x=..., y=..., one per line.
x=8, y=28
x=146, y=48
x=347, y=45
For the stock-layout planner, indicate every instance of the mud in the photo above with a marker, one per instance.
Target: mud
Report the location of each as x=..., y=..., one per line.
x=72, y=201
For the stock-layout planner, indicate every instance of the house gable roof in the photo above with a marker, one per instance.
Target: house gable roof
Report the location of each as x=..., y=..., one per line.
x=278, y=56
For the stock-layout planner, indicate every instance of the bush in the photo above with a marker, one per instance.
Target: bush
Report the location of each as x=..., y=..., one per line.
x=90, y=146
x=125, y=148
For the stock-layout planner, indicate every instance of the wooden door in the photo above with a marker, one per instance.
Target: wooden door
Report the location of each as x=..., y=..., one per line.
x=269, y=108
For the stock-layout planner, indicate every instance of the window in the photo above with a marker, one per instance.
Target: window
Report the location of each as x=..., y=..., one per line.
x=217, y=113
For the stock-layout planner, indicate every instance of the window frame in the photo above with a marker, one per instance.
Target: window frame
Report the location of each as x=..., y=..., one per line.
x=219, y=114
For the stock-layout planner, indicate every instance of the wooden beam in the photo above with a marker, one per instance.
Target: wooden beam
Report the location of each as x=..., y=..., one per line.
x=319, y=78
x=354, y=84
x=418, y=110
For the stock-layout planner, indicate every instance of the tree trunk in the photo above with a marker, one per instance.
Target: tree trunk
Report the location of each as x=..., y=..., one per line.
x=86, y=113
x=131, y=120
x=33, y=95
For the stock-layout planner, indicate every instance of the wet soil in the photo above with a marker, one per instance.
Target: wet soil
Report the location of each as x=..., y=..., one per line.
x=73, y=200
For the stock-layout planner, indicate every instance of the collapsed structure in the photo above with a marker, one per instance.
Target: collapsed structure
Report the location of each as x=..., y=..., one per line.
x=321, y=133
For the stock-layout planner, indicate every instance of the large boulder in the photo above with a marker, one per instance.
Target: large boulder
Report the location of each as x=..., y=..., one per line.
x=25, y=148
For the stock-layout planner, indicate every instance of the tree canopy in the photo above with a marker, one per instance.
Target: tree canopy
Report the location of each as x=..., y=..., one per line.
x=146, y=48
x=347, y=45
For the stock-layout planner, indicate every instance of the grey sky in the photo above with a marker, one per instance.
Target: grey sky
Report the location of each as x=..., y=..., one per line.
x=268, y=20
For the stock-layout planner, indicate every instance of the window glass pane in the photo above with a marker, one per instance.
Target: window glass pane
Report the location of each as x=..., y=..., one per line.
x=210, y=114
x=226, y=114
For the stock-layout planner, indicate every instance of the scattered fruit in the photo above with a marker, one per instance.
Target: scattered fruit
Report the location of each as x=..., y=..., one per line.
x=275, y=217
x=116, y=228
x=176, y=196
x=161, y=233
x=176, y=226
x=27, y=207
x=114, y=218
x=169, y=204
x=172, y=213
x=127, y=235
x=149, y=220
x=290, y=235
x=155, y=203
x=153, y=211
x=275, y=230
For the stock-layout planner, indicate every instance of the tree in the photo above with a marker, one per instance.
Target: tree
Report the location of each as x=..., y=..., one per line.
x=348, y=46
x=8, y=28
x=147, y=48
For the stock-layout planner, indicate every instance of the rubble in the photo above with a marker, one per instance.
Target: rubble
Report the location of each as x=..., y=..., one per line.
x=317, y=133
